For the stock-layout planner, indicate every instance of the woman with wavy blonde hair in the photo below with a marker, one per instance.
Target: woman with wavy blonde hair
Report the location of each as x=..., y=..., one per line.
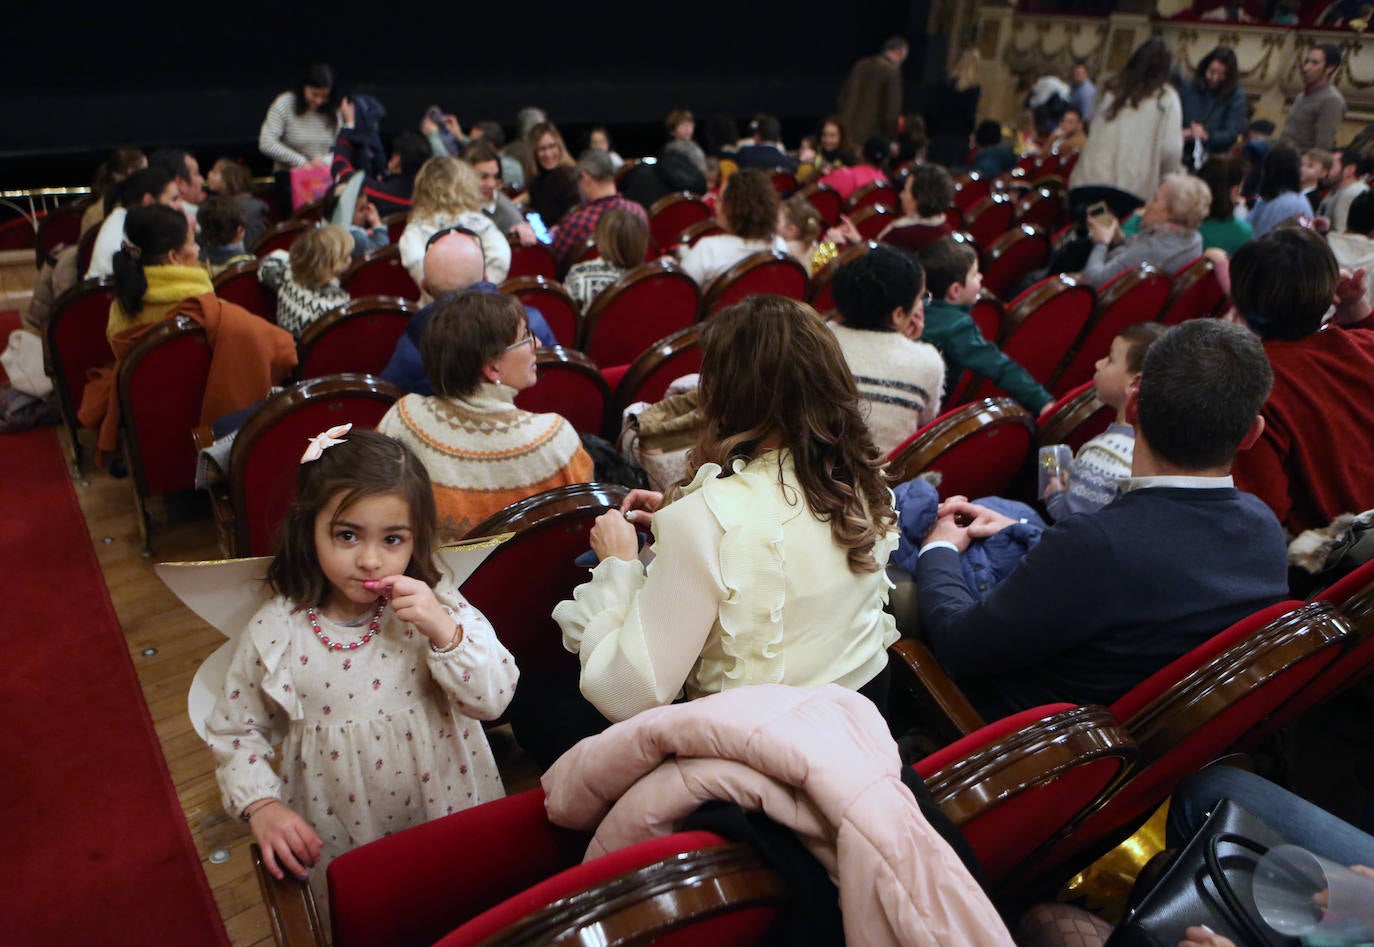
x=447, y=195
x=768, y=564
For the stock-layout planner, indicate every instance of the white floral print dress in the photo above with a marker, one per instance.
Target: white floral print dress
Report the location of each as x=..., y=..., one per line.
x=373, y=740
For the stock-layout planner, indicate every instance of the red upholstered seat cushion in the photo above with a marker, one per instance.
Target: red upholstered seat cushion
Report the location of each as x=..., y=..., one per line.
x=573, y=880
x=981, y=737
x=413, y=887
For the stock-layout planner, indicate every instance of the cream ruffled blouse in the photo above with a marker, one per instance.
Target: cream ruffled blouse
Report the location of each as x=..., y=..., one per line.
x=746, y=587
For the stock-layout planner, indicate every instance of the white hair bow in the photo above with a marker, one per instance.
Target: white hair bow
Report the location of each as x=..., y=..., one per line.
x=322, y=442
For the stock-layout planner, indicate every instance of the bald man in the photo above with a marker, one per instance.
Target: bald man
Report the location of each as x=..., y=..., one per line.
x=453, y=263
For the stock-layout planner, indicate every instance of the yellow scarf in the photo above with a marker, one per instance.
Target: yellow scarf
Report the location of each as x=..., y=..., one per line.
x=167, y=286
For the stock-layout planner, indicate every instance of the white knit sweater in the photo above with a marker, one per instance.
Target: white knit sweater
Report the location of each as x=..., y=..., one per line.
x=899, y=380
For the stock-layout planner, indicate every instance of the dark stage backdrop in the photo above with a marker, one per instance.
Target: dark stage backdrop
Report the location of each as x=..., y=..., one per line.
x=199, y=74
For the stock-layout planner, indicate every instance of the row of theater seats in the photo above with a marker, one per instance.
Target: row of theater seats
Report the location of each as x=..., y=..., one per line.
x=1036, y=794
x=1057, y=330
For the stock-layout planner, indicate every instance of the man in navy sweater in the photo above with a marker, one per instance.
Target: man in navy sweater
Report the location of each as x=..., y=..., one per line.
x=1108, y=598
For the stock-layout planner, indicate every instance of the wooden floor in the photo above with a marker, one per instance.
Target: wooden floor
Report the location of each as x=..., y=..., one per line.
x=152, y=617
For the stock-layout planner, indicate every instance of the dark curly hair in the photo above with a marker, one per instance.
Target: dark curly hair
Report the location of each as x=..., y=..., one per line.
x=750, y=205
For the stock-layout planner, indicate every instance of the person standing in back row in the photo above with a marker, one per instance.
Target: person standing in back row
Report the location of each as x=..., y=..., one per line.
x=871, y=100
x=1316, y=114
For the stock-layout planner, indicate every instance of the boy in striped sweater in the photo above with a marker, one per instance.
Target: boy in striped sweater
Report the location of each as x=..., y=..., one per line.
x=1096, y=474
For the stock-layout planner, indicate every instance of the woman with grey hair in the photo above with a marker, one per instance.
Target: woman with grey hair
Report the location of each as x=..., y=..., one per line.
x=1168, y=236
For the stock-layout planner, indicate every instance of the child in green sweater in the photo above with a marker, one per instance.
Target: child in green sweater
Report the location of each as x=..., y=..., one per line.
x=953, y=280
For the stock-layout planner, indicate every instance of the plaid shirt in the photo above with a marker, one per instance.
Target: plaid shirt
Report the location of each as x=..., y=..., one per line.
x=578, y=227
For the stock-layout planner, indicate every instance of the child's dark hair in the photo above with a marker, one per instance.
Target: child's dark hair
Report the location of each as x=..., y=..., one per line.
x=868, y=288
x=1139, y=337
x=366, y=464
x=220, y=218
x=151, y=232
x=988, y=133
x=946, y=261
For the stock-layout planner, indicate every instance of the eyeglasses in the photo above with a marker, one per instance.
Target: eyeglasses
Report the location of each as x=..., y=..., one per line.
x=528, y=339
x=927, y=298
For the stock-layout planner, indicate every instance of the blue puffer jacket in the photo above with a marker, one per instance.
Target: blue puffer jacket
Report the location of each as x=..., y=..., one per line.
x=986, y=561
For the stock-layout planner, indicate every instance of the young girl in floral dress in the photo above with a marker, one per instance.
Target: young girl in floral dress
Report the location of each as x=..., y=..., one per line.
x=368, y=668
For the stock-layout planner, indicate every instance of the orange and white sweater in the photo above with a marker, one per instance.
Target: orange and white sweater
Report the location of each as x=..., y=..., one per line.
x=483, y=453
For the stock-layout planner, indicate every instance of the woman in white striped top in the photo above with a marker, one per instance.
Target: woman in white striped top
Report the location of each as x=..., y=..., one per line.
x=300, y=126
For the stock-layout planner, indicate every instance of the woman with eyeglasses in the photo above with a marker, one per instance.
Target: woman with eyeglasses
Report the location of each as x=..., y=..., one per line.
x=447, y=196
x=769, y=563
x=482, y=452
x=881, y=299
x=550, y=174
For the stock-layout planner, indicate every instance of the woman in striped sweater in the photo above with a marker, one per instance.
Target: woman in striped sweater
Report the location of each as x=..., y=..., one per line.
x=300, y=126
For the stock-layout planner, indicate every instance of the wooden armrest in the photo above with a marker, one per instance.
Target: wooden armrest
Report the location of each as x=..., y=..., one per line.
x=290, y=908
x=203, y=437
x=919, y=672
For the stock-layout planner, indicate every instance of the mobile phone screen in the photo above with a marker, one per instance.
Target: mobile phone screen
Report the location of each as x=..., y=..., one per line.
x=541, y=233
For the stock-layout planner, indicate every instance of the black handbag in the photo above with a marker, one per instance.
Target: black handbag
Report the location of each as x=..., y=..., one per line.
x=1209, y=883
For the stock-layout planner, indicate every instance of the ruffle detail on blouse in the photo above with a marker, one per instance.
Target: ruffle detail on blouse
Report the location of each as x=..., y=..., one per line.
x=752, y=568
x=270, y=630
x=599, y=607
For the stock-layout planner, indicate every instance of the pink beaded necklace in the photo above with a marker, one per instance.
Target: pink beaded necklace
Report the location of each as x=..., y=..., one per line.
x=373, y=627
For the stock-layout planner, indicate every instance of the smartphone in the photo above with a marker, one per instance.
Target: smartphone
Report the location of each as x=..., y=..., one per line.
x=541, y=233
x=435, y=115
x=1098, y=209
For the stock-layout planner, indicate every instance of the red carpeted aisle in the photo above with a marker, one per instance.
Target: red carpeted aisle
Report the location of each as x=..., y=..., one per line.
x=96, y=849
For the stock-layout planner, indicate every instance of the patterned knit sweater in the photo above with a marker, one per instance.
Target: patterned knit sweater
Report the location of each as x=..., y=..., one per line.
x=899, y=380
x=1097, y=474
x=298, y=306
x=483, y=453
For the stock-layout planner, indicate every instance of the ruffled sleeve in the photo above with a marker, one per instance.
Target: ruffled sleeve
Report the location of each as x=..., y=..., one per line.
x=639, y=632
x=253, y=714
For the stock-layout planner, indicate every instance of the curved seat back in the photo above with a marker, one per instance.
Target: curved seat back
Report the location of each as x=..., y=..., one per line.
x=1197, y=294
x=239, y=284
x=267, y=450
x=1021, y=782
x=1075, y=418
x=76, y=343
x=989, y=218
x=61, y=225
x=358, y=337
x=519, y=584
x=978, y=449
x=1134, y=296
x=646, y=304
x=560, y=311
x=768, y=271
x=873, y=194
x=536, y=260
x=379, y=273
x=674, y=213
x=570, y=385
x=871, y=220
x=1207, y=703
x=281, y=236
x=1013, y=256
x=969, y=189
x=825, y=199
x=649, y=375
